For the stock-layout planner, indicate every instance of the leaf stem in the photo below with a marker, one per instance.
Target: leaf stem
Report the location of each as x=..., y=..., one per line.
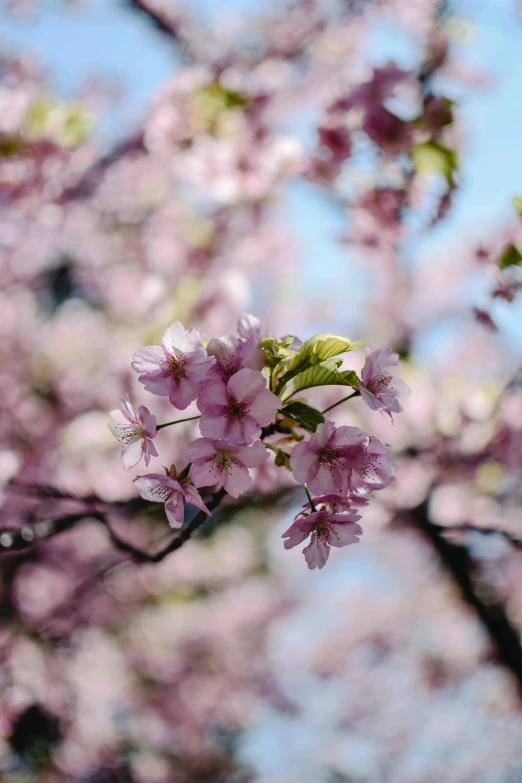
x=178, y=421
x=312, y=504
x=354, y=394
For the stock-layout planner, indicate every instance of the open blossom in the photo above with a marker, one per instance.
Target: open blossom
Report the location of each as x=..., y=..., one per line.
x=237, y=410
x=223, y=463
x=380, y=385
x=373, y=470
x=135, y=432
x=322, y=462
x=177, y=368
x=232, y=355
x=160, y=488
x=326, y=530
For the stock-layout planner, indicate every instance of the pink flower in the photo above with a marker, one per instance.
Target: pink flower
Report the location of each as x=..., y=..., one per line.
x=232, y=355
x=248, y=326
x=337, y=504
x=380, y=385
x=390, y=133
x=326, y=530
x=373, y=470
x=322, y=462
x=175, y=369
x=167, y=489
x=135, y=432
x=223, y=463
x=237, y=410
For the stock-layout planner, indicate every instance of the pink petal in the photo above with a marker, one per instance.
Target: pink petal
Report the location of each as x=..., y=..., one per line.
x=205, y=474
x=344, y=534
x=264, y=407
x=298, y=531
x=193, y=497
x=182, y=393
x=316, y=553
x=155, y=487
x=254, y=455
x=149, y=451
x=148, y=420
x=120, y=417
x=236, y=480
x=248, y=326
x=213, y=426
x=198, y=364
x=301, y=460
x=322, y=434
x=177, y=339
x=174, y=509
x=251, y=355
x=127, y=407
x=245, y=384
x=213, y=393
x=200, y=449
x=131, y=454
x=148, y=359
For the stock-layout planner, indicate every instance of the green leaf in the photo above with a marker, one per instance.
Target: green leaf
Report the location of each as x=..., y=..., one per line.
x=434, y=158
x=276, y=350
x=304, y=415
x=510, y=257
x=282, y=460
x=325, y=374
x=517, y=205
x=317, y=349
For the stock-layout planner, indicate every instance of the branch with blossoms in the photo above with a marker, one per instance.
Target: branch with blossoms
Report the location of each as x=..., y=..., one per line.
x=248, y=388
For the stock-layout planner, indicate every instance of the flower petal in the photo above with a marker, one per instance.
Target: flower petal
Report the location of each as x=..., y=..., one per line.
x=131, y=454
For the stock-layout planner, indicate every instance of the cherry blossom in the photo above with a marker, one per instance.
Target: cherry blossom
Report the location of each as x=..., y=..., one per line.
x=380, y=386
x=160, y=488
x=232, y=355
x=321, y=462
x=238, y=409
x=135, y=432
x=219, y=462
x=372, y=470
x=326, y=530
x=175, y=369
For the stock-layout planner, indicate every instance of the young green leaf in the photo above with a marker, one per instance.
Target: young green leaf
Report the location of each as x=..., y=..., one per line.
x=317, y=349
x=430, y=157
x=304, y=415
x=325, y=374
x=510, y=257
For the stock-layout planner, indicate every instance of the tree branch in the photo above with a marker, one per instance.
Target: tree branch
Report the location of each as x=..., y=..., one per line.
x=457, y=561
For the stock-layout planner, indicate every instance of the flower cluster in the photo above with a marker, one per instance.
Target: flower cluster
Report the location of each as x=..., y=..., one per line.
x=245, y=388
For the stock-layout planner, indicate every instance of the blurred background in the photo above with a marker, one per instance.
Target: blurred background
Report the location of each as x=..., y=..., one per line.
x=347, y=166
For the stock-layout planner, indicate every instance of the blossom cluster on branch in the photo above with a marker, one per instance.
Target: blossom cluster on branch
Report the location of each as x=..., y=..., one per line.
x=245, y=387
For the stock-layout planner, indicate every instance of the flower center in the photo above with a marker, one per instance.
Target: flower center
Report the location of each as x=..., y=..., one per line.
x=223, y=459
x=177, y=368
x=236, y=410
x=127, y=433
x=322, y=528
x=328, y=456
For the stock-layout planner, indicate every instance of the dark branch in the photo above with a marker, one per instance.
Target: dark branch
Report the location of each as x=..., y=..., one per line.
x=162, y=20
x=457, y=561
